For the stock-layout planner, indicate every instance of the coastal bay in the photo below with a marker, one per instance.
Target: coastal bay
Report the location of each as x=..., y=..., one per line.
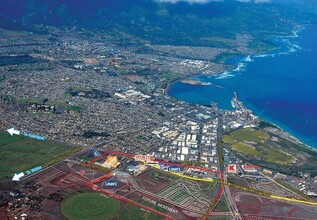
x=278, y=86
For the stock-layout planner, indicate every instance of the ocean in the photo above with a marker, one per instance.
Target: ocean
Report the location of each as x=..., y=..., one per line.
x=279, y=87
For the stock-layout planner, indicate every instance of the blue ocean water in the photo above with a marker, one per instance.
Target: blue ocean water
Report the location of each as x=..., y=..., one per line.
x=280, y=87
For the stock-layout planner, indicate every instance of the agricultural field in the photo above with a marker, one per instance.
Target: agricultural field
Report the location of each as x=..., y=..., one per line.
x=18, y=153
x=88, y=205
x=257, y=143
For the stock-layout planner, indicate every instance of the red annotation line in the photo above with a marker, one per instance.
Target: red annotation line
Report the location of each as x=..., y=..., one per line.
x=190, y=166
x=101, y=178
x=110, y=152
x=92, y=185
x=214, y=203
x=122, y=198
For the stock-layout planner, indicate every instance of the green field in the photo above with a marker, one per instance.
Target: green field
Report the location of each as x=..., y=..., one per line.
x=247, y=149
x=62, y=105
x=131, y=212
x=18, y=153
x=32, y=101
x=256, y=143
x=246, y=134
x=90, y=205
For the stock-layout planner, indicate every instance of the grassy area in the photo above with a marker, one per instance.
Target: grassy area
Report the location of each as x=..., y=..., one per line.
x=247, y=149
x=278, y=156
x=85, y=206
x=168, y=78
x=247, y=134
x=90, y=134
x=6, y=138
x=81, y=89
x=66, y=106
x=221, y=58
x=131, y=212
x=278, y=153
x=262, y=45
x=62, y=105
x=5, y=97
x=257, y=143
x=87, y=93
x=30, y=101
x=18, y=153
x=172, y=76
x=122, y=71
x=269, y=154
x=67, y=95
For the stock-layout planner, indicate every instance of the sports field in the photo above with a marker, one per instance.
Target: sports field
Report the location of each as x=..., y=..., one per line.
x=18, y=153
x=90, y=205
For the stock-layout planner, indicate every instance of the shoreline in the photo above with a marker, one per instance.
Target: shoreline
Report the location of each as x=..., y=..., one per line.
x=290, y=133
x=167, y=88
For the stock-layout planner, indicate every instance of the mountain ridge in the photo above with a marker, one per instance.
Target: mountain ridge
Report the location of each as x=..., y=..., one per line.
x=158, y=22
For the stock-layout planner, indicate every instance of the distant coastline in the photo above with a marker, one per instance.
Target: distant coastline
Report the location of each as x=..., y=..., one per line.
x=248, y=58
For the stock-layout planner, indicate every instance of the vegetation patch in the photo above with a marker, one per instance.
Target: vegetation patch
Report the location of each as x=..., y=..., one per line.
x=30, y=101
x=256, y=143
x=90, y=134
x=247, y=149
x=221, y=58
x=87, y=93
x=39, y=102
x=19, y=153
x=90, y=205
x=132, y=212
x=249, y=134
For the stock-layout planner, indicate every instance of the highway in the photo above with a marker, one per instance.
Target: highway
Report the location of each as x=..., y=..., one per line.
x=232, y=206
x=225, y=190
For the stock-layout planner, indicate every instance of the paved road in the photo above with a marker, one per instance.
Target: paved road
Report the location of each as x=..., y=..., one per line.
x=232, y=206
